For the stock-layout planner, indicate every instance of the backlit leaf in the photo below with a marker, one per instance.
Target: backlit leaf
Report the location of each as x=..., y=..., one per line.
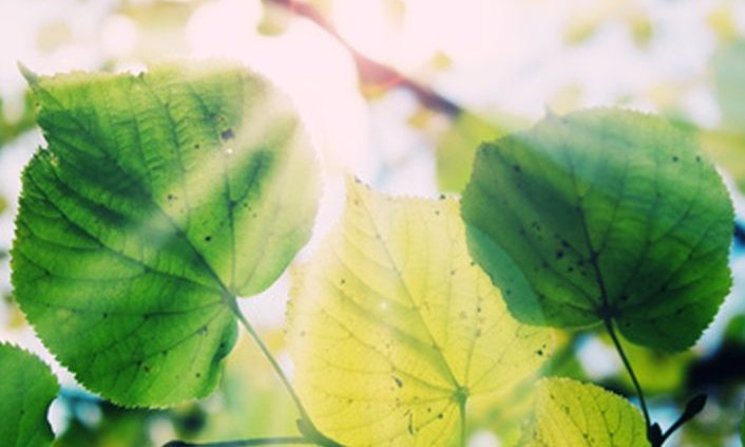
x=27, y=387
x=568, y=413
x=160, y=198
x=392, y=326
x=603, y=216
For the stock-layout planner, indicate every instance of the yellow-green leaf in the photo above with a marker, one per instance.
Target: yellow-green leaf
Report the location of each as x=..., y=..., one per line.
x=568, y=413
x=393, y=328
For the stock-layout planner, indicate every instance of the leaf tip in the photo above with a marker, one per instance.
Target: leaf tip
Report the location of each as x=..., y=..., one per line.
x=31, y=77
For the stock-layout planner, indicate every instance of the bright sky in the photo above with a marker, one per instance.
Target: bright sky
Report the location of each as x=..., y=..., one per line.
x=498, y=56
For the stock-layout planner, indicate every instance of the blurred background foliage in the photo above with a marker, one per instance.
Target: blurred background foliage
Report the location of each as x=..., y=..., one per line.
x=401, y=93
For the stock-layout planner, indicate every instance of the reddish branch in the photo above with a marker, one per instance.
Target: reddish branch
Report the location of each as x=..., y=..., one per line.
x=373, y=73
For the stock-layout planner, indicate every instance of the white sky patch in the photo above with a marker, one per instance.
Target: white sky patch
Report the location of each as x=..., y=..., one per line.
x=598, y=359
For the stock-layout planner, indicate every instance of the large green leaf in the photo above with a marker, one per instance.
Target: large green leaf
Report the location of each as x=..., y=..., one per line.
x=160, y=198
x=393, y=328
x=603, y=215
x=27, y=387
x=568, y=413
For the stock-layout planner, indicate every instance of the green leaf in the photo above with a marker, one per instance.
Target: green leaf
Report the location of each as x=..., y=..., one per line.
x=26, y=390
x=603, y=215
x=568, y=413
x=393, y=327
x=160, y=198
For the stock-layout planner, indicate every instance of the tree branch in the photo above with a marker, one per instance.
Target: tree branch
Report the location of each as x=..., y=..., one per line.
x=371, y=72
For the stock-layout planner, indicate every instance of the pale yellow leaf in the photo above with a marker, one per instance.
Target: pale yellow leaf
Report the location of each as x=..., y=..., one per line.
x=393, y=328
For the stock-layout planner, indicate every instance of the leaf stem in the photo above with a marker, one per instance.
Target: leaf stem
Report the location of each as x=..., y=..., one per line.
x=245, y=442
x=463, y=431
x=277, y=369
x=630, y=370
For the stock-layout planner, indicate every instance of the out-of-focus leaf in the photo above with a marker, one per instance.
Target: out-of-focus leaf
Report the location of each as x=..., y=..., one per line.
x=457, y=148
x=603, y=216
x=27, y=387
x=722, y=21
x=393, y=328
x=11, y=128
x=728, y=65
x=727, y=149
x=117, y=427
x=659, y=372
x=642, y=30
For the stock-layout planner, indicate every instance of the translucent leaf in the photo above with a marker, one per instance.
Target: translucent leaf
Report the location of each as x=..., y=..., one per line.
x=603, y=216
x=160, y=198
x=568, y=413
x=393, y=328
x=26, y=390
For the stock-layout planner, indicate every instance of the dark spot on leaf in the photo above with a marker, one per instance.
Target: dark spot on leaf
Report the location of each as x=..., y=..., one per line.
x=171, y=197
x=146, y=368
x=198, y=375
x=442, y=196
x=539, y=352
x=227, y=134
x=517, y=168
x=441, y=416
x=399, y=382
x=105, y=315
x=559, y=254
x=207, y=238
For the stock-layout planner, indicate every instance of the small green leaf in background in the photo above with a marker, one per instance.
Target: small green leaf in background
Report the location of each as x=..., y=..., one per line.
x=603, y=215
x=457, y=147
x=728, y=66
x=27, y=387
x=392, y=327
x=160, y=199
x=726, y=145
x=568, y=413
